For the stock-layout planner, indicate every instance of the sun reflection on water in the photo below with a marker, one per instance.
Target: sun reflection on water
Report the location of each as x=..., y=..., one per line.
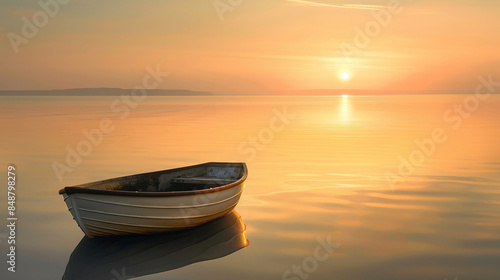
x=345, y=109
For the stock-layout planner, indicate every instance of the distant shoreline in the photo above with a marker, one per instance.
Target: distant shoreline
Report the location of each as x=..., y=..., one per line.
x=101, y=92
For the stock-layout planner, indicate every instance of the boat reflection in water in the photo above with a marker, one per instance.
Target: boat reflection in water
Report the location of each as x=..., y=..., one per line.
x=134, y=256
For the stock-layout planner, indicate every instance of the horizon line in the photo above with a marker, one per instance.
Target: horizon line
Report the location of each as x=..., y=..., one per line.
x=187, y=92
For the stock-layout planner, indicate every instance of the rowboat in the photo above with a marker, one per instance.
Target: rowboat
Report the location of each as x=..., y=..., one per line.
x=154, y=202
x=139, y=255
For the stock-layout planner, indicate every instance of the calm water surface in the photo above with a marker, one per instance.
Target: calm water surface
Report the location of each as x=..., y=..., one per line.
x=317, y=175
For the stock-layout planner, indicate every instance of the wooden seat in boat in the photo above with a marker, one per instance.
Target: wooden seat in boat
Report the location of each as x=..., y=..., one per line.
x=202, y=180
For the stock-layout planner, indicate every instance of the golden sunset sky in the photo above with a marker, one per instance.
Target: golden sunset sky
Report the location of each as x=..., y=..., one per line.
x=251, y=45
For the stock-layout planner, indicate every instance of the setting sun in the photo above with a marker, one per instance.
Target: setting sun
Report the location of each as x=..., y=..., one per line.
x=344, y=76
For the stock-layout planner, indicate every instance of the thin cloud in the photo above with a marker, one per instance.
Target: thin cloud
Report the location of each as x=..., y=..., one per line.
x=341, y=6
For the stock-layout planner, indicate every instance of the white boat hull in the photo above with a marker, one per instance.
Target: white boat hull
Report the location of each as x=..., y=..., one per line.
x=104, y=214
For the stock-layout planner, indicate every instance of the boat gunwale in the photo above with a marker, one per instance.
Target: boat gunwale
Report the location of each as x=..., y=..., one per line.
x=77, y=189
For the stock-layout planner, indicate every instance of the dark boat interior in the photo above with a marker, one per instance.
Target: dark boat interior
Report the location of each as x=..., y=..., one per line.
x=198, y=177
